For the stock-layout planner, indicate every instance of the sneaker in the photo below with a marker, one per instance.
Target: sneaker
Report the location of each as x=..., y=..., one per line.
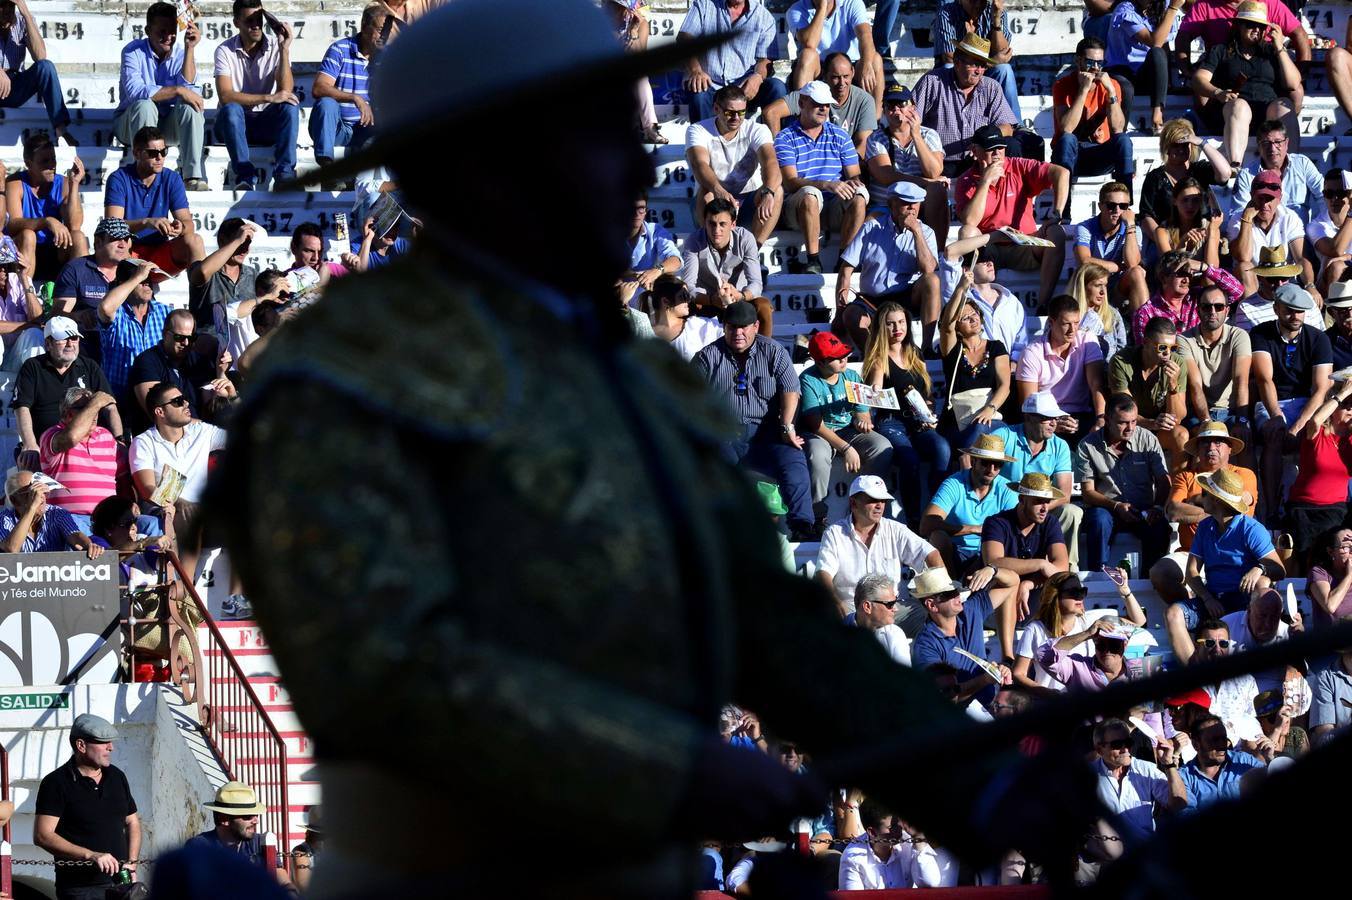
x=246, y=184
x=813, y=265
x=196, y=184
x=236, y=606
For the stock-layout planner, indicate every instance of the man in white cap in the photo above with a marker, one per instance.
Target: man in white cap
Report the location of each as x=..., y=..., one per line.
x=1338, y=302
x=821, y=172
x=85, y=813
x=897, y=260
x=1034, y=446
x=43, y=381
x=234, y=815
x=855, y=110
x=953, y=519
x=867, y=542
x=1027, y=539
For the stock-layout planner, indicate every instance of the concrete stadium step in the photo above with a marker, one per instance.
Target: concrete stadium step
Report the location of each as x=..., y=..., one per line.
x=94, y=91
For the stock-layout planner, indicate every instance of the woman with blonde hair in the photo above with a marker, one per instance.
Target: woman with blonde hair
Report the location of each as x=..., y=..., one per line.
x=1179, y=148
x=976, y=369
x=1061, y=613
x=891, y=360
x=1089, y=286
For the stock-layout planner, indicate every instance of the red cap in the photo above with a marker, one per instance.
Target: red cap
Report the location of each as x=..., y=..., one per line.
x=1196, y=695
x=824, y=345
x=1268, y=181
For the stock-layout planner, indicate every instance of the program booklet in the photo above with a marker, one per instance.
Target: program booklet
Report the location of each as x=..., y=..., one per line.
x=868, y=395
x=170, y=487
x=1025, y=240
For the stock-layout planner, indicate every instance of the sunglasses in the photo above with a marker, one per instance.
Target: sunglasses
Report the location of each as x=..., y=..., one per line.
x=1212, y=644
x=948, y=595
x=155, y=154
x=1181, y=273
x=992, y=463
x=180, y=400
x=1118, y=744
x=734, y=113
x=1165, y=349
x=1335, y=195
x=1214, y=307
x=890, y=604
x=739, y=384
x=1076, y=594
x=183, y=338
x=1110, y=205
x=1091, y=64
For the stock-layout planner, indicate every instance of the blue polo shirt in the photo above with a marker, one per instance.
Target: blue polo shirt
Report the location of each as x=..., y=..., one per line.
x=823, y=159
x=159, y=200
x=344, y=63
x=1229, y=555
x=933, y=646
x=1034, y=545
x=1202, y=791
x=1089, y=234
x=81, y=279
x=960, y=506
x=1052, y=461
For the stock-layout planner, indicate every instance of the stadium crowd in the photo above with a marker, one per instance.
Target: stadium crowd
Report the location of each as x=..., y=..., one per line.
x=1201, y=345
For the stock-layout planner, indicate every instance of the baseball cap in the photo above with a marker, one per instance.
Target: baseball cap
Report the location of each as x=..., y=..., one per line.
x=1198, y=696
x=988, y=137
x=1043, y=404
x=824, y=345
x=818, y=92
x=872, y=486
x=897, y=93
x=1268, y=181
x=58, y=328
x=739, y=314
x=906, y=191
x=1294, y=296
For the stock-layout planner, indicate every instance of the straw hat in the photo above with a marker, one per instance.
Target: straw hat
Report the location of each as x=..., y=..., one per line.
x=974, y=44
x=1272, y=263
x=1252, y=11
x=988, y=446
x=235, y=798
x=1035, y=484
x=1212, y=429
x=1225, y=486
x=931, y=582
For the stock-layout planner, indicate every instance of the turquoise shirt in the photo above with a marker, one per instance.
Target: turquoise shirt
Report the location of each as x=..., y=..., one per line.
x=1053, y=460
x=828, y=400
x=961, y=506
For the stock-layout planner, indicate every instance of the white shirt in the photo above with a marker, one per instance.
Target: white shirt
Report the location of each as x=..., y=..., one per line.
x=1005, y=321
x=862, y=870
x=740, y=873
x=241, y=332
x=846, y=559
x=1320, y=227
x=734, y=160
x=1233, y=701
x=895, y=642
x=1133, y=799
x=1286, y=227
x=1238, y=623
x=929, y=866
x=697, y=334
x=1034, y=636
x=152, y=452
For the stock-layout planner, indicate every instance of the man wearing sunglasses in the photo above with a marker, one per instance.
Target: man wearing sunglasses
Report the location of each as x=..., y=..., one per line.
x=1154, y=376
x=1330, y=232
x=151, y=199
x=1338, y=303
x=953, y=520
x=875, y=604
x=1090, y=121
x=1266, y=222
x=1182, y=279
x=1135, y=789
x=1274, y=269
x=1218, y=357
x=1111, y=241
x=200, y=377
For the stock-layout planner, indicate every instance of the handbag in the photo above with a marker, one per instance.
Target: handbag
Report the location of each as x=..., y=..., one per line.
x=966, y=404
x=151, y=635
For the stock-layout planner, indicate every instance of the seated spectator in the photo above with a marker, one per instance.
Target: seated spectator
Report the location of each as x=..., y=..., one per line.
x=342, y=115
x=1060, y=613
x=23, y=37
x=820, y=168
x=1283, y=738
x=1246, y=80
x=668, y=306
x=1109, y=241
x=83, y=282
x=45, y=215
x=875, y=603
x=115, y=525
x=1215, y=772
x=266, y=319
x=178, y=441
x=895, y=255
x=1291, y=367
x=1259, y=625
x=305, y=854
x=1189, y=225
x=20, y=307
x=1233, y=550
x=1338, y=304
x=976, y=368
x=1027, y=540
x=1091, y=120
x=1213, y=22
x=756, y=376
x=234, y=816
x=1302, y=183
x=44, y=380
x=1153, y=376
x=81, y=455
x=903, y=150
x=1000, y=193
x=721, y=265
x=271, y=296
x=130, y=320
x=1266, y=222
x=1124, y=485
x=1034, y=446
x=891, y=360
x=377, y=250
x=1209, y=450
x=1218, y=357
x=1136, y=55
x=1004, y=316
x=256, y=90
x=1318, y=499
x=853, y=108
x=957, y=102
x=200, y=377
x=152, y=201
x=1330, y=576
x=1330, y=232
x=954, y=518
x=1182, y=281
x=868, y=543
x=957, y=622
x=158, y=90
x=28, y=524
x=1136, y=791
x=652, y=251
x=1068, y=364
x=744, y=61
x=872, y=861
x=832, y=425
x=632, y=29
x=826, y=27
x=1178, y=150
x=1231, y=700
x=222, y=278
x=733, y=159
x=1098, y=318
x=1271, y=273
x=1086, y=673
x=1331, y=690
x=309, y=249
x=955, y=21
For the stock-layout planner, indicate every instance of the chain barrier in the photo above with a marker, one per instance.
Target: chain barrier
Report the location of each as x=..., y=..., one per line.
x=845, y=842
x=77, y=862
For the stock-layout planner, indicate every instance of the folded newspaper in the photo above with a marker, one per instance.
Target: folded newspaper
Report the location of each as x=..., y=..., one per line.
x=1342, y=374
x=868, y=395
x=991, y=670
x=47, y=481
x=1024, y=240
x=170, y=487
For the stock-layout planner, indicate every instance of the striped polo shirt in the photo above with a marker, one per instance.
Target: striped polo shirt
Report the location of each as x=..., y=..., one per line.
x=823, y=159
x=88, y=471
x=344, y=63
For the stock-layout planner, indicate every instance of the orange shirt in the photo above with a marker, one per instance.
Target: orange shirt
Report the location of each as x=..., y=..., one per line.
x=1185, y=485
x=1063, y=94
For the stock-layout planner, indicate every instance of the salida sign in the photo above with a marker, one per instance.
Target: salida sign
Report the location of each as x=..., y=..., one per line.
x=58, y=618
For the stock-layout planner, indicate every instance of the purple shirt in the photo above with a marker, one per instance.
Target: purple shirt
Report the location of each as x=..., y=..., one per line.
x=1063, y=377
x=1071, y=669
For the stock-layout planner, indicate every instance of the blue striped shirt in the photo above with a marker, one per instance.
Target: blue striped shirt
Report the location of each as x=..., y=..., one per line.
x=824, y=159
x=344, y=63
x=753, y=38
x=768, y=371
x=56, y=525
x=125, y=338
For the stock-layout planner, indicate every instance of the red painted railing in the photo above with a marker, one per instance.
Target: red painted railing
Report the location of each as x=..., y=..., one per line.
x=6, y=848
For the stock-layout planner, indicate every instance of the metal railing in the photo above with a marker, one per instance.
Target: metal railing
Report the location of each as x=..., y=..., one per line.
x=6, y=848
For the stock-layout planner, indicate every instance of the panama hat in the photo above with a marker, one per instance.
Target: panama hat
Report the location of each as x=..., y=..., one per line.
x=1212, y=429
x=415, y=91
x=235, y=798
x=1252, y=11
x=1272, y=263
x=988, y=446
x=974, y=44
x=1035, y=484
x=1339, y=295
x=931, y=582
x=1225, y=486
